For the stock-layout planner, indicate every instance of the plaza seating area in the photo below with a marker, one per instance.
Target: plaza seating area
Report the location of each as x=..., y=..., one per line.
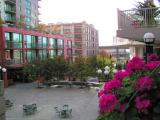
x=29, y=109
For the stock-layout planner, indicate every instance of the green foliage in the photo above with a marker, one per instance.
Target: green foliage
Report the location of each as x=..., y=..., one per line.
x=111, y=116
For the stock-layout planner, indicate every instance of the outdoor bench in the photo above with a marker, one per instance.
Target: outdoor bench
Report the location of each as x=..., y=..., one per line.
x=29, y=109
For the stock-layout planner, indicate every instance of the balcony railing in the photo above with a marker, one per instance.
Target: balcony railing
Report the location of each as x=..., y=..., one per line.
x=12, y=61
x=11, y=1
x=133, y=24
x=11, y=45
x=146, y=17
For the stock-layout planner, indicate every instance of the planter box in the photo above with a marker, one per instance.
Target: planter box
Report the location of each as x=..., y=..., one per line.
x=1, y=88
x=2, y=106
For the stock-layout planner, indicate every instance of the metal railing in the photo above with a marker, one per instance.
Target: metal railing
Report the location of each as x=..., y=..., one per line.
x=145, y=17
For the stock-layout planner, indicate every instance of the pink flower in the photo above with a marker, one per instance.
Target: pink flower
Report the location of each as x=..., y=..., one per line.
x=120, y=75
x=144, y=83
x=100, y=93
x=121, y=108
x=135, y=65
x=107, y=103
x=113, y=84
x=153, y=57
x=142, y=105
x=151, y=65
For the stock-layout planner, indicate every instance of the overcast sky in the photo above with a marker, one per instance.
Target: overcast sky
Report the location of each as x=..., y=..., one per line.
x=101, y=13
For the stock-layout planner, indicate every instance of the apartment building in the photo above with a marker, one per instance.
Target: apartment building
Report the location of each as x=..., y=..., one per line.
x=84, y=37
x=16, y=12
x=19, y=46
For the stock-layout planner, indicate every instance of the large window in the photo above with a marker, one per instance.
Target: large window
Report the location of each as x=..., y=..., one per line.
x=52, y=53
x=7, y=39
x=51, y=43
x=30, y=41
x=17, y=40
x=44, y=42
x=42, y=54
x=60, y=43
x=30, y=55
x=40, y=42
x=17, y=54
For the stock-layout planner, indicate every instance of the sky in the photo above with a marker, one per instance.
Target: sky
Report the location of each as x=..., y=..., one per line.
x=101, y=13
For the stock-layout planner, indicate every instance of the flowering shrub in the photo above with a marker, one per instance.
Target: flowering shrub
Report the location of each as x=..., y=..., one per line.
x=134, y=93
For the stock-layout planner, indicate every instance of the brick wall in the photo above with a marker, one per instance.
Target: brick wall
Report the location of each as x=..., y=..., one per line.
x=2, y=103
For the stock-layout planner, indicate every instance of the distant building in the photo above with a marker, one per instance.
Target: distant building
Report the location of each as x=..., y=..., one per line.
x=15, y=11
x=84, y=37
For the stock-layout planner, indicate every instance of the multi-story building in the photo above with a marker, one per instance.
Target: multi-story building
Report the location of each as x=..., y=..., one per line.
x=19, y=46
x=14, y=12
x=133, y=24
x=83, y=35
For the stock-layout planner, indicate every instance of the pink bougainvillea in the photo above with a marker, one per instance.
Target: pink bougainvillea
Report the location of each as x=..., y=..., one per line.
x=100, y=93
x=135, y=65
x=151, y=65
x=112, y=85
x=107, y=103
x=144, y=83
x=153, y=57
x=141, y=105
x=120, y=75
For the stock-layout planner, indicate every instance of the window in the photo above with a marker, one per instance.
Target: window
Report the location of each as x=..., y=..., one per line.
x=78, y=36
x=60, y=43
x=7, y=39
x=44, y=42
x=27, y=11
x=69, y=44
x=29, y=41
x=51, y=43
x=42, y=54
x=60, y=52
x=17, y=40
x=17, y=56
x=30, y=55
x=19, y=8
x=52, y=53
x=27, y=19
x=27, y=3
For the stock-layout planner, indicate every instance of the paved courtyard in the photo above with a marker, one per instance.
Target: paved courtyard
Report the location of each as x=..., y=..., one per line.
x=84, y=102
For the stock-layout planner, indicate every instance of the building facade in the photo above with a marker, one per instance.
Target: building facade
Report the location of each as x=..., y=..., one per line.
x=84, y=36
x=19, y=46
x=18, y=12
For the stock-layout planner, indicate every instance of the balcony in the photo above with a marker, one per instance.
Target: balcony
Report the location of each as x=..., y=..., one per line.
x=10, y=1
x=10, y=10
x=133, y=24
x=12, y=45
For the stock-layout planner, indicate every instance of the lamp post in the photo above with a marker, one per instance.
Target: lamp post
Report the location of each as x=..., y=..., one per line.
x=149, y=39
x=1, y=73
x=4, y=72
x=106, y=73
x=99, y=71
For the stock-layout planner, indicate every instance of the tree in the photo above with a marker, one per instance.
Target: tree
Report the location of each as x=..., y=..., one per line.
x=41, y=27
x=21, y=23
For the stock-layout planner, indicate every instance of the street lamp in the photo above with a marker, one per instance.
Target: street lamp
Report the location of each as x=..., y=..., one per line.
x=106, y=73
x=99, y=71
x=149, y=39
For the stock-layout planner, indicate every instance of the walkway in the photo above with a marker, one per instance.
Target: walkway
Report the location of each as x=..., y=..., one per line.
x=83, y=102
